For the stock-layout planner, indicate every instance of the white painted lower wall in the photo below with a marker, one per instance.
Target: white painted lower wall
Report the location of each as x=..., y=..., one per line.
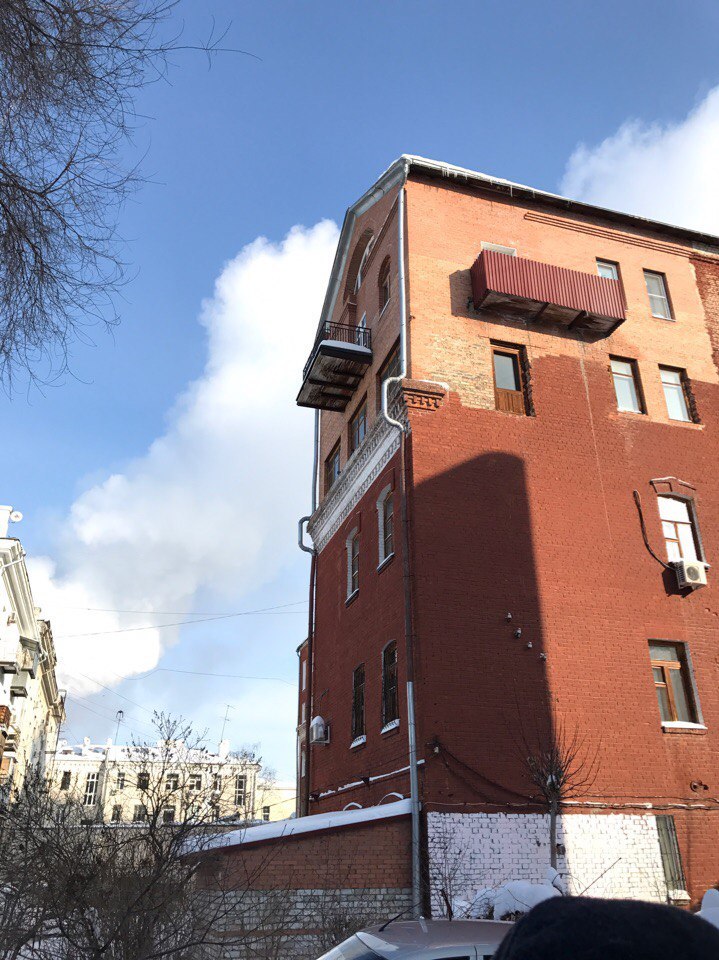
x=606, y=855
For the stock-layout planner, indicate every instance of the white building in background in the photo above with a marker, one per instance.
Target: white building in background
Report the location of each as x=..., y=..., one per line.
x=122, y=784
x=31, y=706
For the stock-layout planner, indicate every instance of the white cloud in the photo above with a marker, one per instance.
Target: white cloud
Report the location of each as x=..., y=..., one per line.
x=664, y=171
x=212, y=505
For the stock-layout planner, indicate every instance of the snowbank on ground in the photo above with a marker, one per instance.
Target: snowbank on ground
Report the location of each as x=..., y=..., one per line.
x=516, y=896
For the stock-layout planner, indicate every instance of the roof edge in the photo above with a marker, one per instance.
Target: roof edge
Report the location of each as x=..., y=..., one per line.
x=315, y=823
x=402, y=167
x=450, y=171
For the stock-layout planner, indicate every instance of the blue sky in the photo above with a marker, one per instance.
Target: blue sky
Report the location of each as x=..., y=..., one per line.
x=250, y=149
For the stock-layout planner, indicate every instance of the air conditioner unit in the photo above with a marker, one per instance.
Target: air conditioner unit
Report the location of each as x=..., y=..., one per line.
x=691, y=573
x=319, y=731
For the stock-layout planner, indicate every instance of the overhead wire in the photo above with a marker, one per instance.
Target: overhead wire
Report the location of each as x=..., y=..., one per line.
x=275, y=611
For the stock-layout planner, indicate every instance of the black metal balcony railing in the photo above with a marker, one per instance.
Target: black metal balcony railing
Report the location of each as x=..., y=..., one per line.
x=338, y=360
x=341, y=332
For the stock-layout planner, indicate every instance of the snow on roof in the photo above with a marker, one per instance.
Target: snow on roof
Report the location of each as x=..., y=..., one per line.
x=311, y=824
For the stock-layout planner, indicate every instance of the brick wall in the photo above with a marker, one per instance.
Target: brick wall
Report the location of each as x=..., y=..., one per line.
x=535, y=517
x=617, y=854
x=299, y=895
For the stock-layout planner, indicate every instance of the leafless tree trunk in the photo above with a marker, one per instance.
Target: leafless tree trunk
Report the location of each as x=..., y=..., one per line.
x=563, y=766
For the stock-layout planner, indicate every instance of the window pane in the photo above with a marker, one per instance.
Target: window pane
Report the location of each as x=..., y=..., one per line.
x=625, y=388
x=686, y=542
x=676, y=402
x=607, y=269
x=681, y=697
x=664, y=708
x=670, y=376
x=623, y=367
x=658, y=300
x=506, y=371
x=673, y=551
x=658, y=674
x=663, y=651
x=672, y=508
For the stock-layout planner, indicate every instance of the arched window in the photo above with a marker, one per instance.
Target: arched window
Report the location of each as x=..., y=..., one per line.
x=353, y=546
x=385, y=524
x=384, y=284
x=390, y=700
x=363, y=264
x=358, y=264
x=679, y=526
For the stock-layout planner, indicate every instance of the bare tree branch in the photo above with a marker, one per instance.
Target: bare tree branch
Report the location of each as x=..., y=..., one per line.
x=69, y=74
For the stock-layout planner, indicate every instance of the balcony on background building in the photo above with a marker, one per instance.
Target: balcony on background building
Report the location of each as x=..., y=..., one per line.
x=339, y=359
x=547, y=294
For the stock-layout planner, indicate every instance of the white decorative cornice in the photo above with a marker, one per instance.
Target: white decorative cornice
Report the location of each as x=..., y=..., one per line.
x=361, y=471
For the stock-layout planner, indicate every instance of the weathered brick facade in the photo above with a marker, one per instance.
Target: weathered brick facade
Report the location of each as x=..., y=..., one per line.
x=530, y=516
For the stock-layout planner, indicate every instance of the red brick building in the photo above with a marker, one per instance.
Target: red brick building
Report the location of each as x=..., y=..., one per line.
x=530, y=547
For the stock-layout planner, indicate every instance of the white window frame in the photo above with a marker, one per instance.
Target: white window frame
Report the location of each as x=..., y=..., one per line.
x=91, y=785
x=304, y=674
x=691, y=522
x=240, y=792
x=363, y=263
x=663, y=296
x=352, y=591
x=611, y=264
x=387, y=492
x=633, y=378
x=677, y=388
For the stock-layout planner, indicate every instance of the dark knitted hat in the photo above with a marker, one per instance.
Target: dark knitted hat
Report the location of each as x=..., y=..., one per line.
x=580, y=928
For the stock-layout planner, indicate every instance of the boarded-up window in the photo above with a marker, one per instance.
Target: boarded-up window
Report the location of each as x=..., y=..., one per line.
x=508, y=379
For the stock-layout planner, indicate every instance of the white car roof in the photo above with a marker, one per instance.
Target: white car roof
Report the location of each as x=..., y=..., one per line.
x=404, y=938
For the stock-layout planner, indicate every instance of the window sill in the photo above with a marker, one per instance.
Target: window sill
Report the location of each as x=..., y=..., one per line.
x=680, y=726
x=685, y=423
x=358, y=742
x=385, y=563
x=678, y=896
x=351, y=598
x=631, y=413
x=389, y=727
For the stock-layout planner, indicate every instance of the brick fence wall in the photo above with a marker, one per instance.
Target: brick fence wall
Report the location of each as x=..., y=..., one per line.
x=298, y=895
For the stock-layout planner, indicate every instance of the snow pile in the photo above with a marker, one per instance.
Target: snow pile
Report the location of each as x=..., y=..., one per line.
x=516, y=896
x=710, y=907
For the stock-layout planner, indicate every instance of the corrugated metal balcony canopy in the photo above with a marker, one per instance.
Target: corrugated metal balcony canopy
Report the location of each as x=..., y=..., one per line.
x=337, y=363
x=543, y=292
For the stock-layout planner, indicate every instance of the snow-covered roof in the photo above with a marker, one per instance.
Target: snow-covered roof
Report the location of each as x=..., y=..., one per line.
x=174, y=752
x=311, y=824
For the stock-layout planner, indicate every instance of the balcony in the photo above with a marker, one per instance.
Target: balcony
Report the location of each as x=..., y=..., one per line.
x=544, y=293
x=339, y=359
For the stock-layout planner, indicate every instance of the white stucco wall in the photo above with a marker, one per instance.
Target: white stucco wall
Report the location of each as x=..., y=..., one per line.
x=608, y=855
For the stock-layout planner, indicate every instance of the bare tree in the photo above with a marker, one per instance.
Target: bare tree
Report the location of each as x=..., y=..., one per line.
x=73, y=887
x=563, y=766
x=69, y=74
